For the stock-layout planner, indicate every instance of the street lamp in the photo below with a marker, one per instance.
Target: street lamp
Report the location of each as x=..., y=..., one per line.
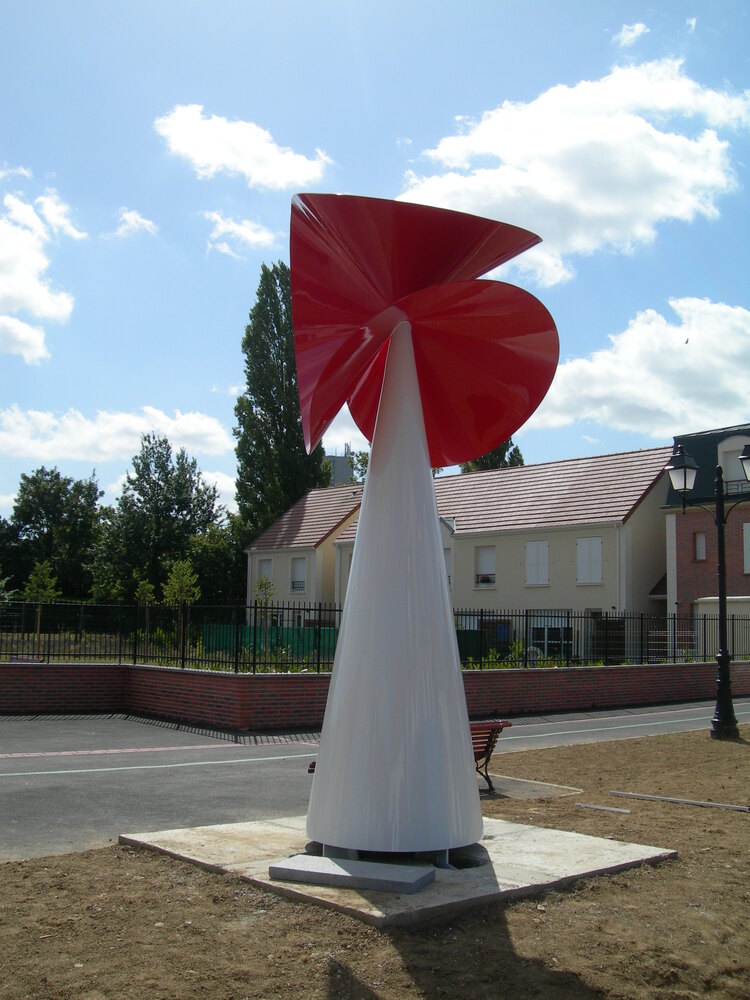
x=682, y=471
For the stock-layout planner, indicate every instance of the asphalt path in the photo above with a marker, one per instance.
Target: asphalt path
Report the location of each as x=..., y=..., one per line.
x=69, y=783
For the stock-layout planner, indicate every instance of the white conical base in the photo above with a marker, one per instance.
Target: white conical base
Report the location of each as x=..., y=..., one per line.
x=395, y=771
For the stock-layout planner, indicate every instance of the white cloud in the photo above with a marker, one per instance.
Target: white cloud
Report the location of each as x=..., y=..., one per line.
x=595, y=166
x=343, y=431
x=629, y=34
x=213, y=144
x=26, y=232
x=659, y=377
x=230, y=390
x=45, y=436
x=242, y=233
x=57, y=215
x=691, y=23
x=227, y=489
x=7, y=500
x=15, y=172
x=132, y=222
x=17, y=337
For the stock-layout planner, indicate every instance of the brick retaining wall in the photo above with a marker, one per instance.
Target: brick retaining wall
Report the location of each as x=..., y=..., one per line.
x=297, y=701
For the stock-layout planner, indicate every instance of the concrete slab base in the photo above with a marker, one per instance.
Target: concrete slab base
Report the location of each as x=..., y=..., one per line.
x=350, y=874
x=512, y=861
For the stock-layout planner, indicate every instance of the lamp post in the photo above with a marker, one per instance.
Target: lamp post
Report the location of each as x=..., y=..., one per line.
x=682, y=471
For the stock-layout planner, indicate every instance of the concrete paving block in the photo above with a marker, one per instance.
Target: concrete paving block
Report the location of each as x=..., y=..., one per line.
x=347, y=873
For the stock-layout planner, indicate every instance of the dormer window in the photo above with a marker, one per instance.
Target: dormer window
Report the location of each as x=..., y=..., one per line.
x=728, y=458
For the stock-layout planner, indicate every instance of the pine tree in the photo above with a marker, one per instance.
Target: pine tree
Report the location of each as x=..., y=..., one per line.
x=273, y=468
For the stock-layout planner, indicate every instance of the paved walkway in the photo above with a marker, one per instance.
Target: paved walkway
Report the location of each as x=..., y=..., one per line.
x=70, y=782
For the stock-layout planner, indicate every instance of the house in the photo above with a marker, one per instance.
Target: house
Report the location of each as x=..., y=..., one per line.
x=691, y=564
x=296, y=552
x=580, y=535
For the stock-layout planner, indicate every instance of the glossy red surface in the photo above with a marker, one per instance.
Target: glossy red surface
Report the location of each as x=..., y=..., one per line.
x=485, y=351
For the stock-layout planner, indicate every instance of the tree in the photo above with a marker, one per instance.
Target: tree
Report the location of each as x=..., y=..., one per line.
x=55, y=519
x=164, y=504
x=182, y=584
x=359, y=462
x=220, y=562
x=506, y=456
x=144, y=591
x=6, y=594
x=273, y=468
x=41, y=586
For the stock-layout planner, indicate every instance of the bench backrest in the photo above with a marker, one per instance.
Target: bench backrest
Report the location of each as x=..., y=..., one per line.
x=484, y=734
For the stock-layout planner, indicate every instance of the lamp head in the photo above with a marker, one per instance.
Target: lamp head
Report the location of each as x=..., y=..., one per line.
x=745, y=461
x=682, y=469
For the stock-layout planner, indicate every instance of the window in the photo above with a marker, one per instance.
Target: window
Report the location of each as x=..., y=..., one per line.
x=729, y=459
x=589, y=560
x=265, y=569
x=699, y=546
x=537, y=563
x=298, y=573
x=746, y=547
x=447, y=557
x=484, y=566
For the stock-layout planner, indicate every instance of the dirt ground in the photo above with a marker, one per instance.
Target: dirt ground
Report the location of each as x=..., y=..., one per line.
x=122, y=923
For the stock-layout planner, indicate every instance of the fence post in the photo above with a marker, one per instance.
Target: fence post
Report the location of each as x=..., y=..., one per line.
x=136, y=609
x=182, y=635
x=255, y=631
x=568, y=639
x=481, y=638
x=525, y=638
x=317, y=635
x=49, y=641
x=237, y=611
x=674, y=637
x=642, y=659
x=606, y=638
x=119, y=637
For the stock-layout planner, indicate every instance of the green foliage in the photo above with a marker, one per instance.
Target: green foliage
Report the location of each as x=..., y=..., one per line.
x=41, y=586
x=273, y=468
x=506, y=456
x=358, y=461
x=220, y=562
x=182, y=584
x=6, y=594
x=144, y=591
x=264, y=592
x=164, y=505
x=55, y=519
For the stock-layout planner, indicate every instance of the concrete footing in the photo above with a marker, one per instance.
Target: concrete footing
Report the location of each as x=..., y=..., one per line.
x=511, y=861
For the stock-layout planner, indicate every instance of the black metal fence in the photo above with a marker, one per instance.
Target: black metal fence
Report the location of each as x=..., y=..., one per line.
x=302, y=637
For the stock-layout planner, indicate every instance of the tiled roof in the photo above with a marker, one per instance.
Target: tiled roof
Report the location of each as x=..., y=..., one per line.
x=604, y=488
x=311, y=520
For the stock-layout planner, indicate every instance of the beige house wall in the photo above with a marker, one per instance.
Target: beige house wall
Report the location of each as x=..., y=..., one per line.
x=510, y=589
x=646, y=542
x=633, y=560
x=281, y=574
x=320, y=569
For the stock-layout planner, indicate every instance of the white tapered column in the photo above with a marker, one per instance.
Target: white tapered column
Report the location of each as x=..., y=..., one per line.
x=395, y=771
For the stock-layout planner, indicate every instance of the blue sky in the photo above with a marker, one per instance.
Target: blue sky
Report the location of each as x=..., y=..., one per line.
x=149, y=152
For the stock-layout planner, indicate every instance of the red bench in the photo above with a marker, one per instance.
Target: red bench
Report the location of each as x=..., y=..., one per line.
x=484, y=736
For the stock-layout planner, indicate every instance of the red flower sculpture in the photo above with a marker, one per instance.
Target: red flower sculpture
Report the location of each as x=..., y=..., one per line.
x=485, y=351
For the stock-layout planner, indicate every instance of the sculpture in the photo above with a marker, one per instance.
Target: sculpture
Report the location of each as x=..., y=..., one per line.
x=437, y=367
